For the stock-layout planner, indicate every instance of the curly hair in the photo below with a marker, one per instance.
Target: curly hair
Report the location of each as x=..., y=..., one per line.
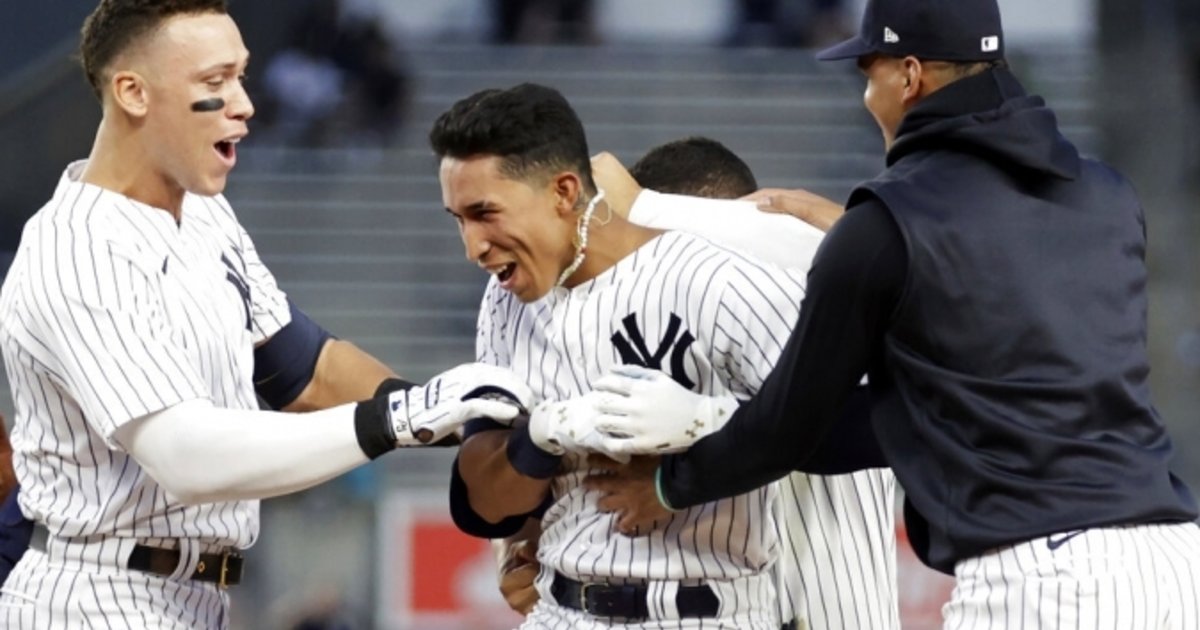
x=115, y=25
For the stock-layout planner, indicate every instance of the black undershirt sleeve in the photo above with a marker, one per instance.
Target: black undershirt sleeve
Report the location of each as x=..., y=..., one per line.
x=855, y=284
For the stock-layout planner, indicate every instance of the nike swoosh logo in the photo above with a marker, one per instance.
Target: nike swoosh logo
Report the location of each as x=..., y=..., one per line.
x=1054, y=541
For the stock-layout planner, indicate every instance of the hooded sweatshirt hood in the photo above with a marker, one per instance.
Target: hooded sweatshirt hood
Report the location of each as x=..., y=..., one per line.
x=989, y=115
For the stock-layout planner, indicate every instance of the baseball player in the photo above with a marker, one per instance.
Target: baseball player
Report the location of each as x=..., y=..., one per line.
x=577, y=289
x=1001, y=313
x=838, y=560
x=134, y=322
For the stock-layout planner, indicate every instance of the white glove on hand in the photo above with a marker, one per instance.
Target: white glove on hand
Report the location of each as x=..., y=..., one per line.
x=643, y=411
x=565, y=425
x=426, y=414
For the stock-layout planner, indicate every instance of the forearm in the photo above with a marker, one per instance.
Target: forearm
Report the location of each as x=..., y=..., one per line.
x=740, y=225
x=495, y=489
x=202, y=454
x=344, y=373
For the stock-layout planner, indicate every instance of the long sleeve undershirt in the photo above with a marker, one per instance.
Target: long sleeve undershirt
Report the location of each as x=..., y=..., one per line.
x=854, y=287
x=776, y=238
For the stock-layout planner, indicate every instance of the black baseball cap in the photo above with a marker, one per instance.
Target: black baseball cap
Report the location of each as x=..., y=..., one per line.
x=942, y=30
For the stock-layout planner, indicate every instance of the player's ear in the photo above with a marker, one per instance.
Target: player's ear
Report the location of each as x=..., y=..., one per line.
x=912, y=73
x=129, y=92
x=566, y=188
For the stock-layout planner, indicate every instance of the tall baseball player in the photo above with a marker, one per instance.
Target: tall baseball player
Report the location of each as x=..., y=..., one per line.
x=838, y=560
x=1001, y=312
x=134, y=322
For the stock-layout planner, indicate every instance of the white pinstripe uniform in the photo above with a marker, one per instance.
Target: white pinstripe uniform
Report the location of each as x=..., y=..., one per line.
x=707, y=316
x=112, y=311
x=838, y=560
x=1130, y=577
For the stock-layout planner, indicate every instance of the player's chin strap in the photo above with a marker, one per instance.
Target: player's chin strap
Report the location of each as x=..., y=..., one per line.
x=582, y=235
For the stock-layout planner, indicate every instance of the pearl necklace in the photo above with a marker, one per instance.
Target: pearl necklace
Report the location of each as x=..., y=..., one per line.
x=582, y=231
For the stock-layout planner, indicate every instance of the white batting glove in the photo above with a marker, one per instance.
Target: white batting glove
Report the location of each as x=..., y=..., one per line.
x=565, y=425
x=426, y=414
x=643, y=411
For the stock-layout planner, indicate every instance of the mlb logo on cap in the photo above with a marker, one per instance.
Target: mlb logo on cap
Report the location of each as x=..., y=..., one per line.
x=935, y=30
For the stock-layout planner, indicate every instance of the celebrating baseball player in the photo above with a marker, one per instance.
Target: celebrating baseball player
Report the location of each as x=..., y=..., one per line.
x=837, y=566
x=135, y=321
x=577, y=289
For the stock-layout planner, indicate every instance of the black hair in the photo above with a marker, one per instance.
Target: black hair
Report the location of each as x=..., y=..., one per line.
x=114, y=26
x=696, y=166
x=530, y=127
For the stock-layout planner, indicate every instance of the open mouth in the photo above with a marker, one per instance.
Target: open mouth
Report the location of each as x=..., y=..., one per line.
x=506, y=272
x=227, y=149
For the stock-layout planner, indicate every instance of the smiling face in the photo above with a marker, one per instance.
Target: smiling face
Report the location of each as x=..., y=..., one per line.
x=518, y=230
x=189, y=58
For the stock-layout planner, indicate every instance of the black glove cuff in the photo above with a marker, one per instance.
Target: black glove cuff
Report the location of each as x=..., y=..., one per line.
x=527, y=459
x=373, y=428
x=393, y=384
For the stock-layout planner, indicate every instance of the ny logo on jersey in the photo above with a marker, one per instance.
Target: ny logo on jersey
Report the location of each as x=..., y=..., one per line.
x=234, y=276
x=634, y=351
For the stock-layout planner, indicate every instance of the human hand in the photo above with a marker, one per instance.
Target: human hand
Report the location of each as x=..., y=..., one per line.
x=620, y=188
x=425, y=414
x=629, y=492
x=643, y=411
x=518, y=570
x=813, y=209
x=566, y=425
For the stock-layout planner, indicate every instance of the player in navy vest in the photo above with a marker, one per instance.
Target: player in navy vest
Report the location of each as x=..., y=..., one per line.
x=991, y=281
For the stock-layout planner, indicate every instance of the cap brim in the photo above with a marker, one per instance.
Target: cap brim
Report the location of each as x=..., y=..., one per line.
x=852, y=48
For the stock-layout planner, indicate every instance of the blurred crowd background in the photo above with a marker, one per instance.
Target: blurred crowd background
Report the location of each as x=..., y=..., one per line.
x=339, y=190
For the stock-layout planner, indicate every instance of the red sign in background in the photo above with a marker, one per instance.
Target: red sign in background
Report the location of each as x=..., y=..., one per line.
x=433, y=577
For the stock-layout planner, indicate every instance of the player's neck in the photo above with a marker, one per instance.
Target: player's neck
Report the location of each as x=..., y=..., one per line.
x=119, y=162
x=608, y=244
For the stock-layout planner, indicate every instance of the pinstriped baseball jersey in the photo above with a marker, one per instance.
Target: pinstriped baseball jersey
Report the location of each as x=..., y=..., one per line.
x=111, y=311
x=712, y=319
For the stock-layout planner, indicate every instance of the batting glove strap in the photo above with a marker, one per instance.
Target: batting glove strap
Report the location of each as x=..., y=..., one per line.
x=527, y=458
x=373, y=427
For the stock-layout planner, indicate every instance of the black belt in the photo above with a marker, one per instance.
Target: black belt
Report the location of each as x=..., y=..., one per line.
x=629, y=601
x=224, y=569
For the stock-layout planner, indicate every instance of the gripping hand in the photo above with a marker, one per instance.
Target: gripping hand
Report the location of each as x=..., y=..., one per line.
x=565, y=425
x=427, y=413
x=643, y=411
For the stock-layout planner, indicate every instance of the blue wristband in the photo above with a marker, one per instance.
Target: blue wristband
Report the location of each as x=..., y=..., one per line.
x=527, y=458
x=658, y=490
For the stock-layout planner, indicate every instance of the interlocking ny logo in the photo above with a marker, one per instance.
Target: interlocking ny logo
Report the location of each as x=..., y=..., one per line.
x=633, y=351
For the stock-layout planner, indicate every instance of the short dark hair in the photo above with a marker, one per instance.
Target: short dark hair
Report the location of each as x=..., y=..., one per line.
x=114, y=25
x=530, y=127
x=697, y=166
